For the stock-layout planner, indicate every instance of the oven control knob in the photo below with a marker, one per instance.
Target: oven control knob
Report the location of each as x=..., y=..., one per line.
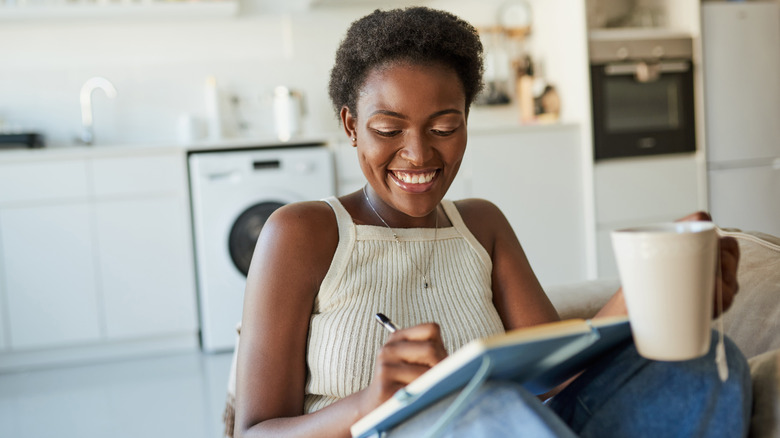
x=622, y=53
x=658, y=51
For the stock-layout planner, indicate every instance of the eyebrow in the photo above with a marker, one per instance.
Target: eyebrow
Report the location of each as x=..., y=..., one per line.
x=401, y=116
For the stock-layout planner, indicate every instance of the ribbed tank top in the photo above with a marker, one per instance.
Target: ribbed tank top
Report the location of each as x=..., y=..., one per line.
x=372, y=273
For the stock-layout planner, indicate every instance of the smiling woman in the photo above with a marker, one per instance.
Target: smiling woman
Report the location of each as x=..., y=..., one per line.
x=312, y=361
x=411, y=141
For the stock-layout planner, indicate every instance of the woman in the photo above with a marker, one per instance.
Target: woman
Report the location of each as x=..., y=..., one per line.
x=311, y=360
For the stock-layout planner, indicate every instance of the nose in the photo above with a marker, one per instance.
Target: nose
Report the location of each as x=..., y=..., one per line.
x=417, y=149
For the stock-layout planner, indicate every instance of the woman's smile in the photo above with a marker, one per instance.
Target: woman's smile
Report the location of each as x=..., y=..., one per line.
x=413, y=181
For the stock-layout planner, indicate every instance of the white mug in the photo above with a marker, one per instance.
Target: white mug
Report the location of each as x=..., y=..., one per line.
x=667, y=272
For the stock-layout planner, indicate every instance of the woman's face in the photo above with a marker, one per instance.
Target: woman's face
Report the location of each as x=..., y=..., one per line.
x=410, y=136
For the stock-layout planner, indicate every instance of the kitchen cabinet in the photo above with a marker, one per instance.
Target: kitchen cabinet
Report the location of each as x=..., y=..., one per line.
x=42, y=181
x=3, y=307
x=3, y=318
x=95, y=251
x=145, y=275
x=143, y=241
x=535, y=175
x=747, y=197
x=45, y=231
x=50, y=278
x=638, y=191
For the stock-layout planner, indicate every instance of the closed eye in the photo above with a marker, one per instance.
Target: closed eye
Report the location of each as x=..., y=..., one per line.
x=442, y=133
x=387, y=133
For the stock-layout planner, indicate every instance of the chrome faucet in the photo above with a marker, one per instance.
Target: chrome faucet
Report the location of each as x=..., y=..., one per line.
x=87, y=133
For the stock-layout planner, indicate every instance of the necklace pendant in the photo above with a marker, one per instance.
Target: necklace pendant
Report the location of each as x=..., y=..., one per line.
x=425, y=285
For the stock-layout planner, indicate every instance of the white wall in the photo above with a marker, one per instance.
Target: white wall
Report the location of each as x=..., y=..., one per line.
x=159, y=66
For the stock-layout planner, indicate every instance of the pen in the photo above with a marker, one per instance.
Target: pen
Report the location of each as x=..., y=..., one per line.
x=385, y=321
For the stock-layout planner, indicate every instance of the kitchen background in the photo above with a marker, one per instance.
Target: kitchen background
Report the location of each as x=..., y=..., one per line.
x=159, y=62
x=105, y=249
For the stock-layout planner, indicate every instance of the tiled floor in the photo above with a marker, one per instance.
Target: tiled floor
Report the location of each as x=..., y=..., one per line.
x=180, y=395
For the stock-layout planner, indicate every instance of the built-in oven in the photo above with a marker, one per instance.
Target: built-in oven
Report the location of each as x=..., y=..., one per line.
x=642, y=94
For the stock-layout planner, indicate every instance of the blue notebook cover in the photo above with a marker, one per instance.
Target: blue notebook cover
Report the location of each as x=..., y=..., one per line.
x=540, y=358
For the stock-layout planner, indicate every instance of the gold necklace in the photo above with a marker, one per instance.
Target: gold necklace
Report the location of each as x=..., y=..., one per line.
x=423, y=273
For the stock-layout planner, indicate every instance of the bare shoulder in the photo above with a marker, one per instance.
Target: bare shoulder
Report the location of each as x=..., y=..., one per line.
x=478, y=210
x=484, y=219
x=302, y=233
x=303, y=216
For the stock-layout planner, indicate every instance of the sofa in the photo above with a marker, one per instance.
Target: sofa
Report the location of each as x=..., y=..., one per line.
x=753, y=321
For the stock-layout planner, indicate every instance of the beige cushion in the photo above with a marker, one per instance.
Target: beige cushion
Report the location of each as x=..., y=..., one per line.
x=753, y=321
x=765, y=371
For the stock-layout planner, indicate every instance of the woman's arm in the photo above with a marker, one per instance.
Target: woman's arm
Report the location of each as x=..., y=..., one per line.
x=292, y=256
x=282, y=282
x=517, y=294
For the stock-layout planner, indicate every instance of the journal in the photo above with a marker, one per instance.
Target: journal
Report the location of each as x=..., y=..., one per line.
x=539, y=358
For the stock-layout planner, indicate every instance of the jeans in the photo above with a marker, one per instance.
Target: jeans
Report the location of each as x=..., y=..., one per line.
x=625, y=395
x=621, y=395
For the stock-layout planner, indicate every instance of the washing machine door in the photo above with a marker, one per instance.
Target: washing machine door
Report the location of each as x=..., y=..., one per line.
x=245, y=231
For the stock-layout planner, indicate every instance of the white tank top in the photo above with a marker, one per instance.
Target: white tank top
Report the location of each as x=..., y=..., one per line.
x=372, y=273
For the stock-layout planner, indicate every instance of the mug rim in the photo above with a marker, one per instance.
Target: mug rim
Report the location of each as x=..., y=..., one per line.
x=684, y=227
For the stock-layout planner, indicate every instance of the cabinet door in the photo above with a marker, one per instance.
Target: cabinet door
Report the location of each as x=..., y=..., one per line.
x=146, y=267
x=4, y=344
x=43, y=181
x=49, y=275
x=639, y=191
x=139, y=175
x=648, y=189
x=535, y=177
x=747, y=198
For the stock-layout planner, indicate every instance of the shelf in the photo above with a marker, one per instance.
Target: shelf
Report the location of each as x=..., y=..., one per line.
x=123, y=10
x=636, y=33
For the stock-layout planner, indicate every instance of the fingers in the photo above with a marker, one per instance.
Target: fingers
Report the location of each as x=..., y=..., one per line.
x=726, y=282
x=729, y=263
x=698, y=216
x=420, y=332
x=395, y=375
x=407, y=354
x=421, y=344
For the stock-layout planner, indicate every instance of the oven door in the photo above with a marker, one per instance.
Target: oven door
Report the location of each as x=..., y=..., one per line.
x=642, y=109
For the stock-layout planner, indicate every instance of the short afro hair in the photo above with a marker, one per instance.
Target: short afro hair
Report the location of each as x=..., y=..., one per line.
x=415, y=34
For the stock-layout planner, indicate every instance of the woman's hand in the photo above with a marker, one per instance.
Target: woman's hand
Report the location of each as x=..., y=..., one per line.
x=729, y=262
x=406, y=355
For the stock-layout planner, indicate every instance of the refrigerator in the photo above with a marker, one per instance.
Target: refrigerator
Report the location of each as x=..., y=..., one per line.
x=741, y=73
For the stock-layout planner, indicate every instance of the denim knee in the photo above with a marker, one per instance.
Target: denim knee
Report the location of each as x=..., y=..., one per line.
x=625, y=394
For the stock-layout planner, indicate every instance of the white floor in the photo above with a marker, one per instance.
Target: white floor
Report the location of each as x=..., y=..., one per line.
x=180, y=395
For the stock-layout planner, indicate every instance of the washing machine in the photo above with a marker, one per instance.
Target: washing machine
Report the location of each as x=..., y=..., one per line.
x=233, y=193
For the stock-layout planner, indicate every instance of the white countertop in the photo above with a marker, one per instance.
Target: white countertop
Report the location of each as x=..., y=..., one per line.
x=102, y=151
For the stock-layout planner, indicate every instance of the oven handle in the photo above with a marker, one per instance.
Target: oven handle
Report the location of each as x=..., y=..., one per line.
x=634, y=68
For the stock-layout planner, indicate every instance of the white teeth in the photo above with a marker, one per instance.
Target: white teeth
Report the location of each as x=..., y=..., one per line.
x=415, y=178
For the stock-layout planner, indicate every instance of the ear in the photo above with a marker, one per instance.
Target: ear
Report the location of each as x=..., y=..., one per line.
x=349, y=122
